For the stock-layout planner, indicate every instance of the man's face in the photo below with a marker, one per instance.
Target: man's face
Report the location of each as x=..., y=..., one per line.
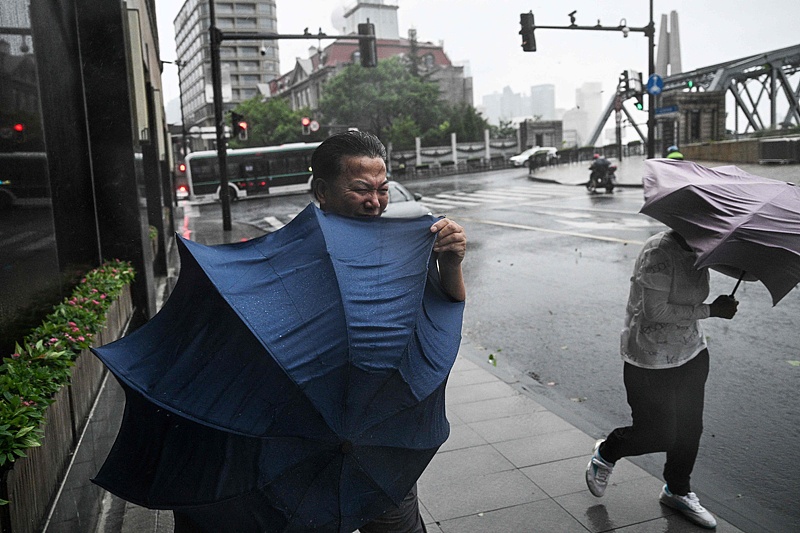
x=362, y=189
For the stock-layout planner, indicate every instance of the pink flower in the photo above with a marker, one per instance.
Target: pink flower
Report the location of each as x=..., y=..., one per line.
x=94, y=291
x=53, y=339
x=15, y=356
x=81, y=338
x=102, y=296
x=95, y=302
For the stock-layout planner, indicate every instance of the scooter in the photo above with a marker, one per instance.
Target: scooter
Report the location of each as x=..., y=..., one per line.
x=602, y=178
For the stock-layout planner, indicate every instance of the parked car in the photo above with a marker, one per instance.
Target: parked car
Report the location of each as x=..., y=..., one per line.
x=521, y=159
x=404, y=204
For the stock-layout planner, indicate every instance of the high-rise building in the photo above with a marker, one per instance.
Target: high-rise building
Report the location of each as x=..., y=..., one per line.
x=247, y=66
x=304, y=85
x=543, y=101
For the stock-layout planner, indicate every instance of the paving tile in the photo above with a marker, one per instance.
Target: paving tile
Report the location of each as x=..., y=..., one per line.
x=624, y=504
x=478, y=494
x=519, y=426
x=543, y=515
x=478, y=392
x=470, y=377
x=675, y=524
x=459, y=467
x=541, y=449
x=462, y=436
x=462, y=364
x=568, y=476
x=492, y=408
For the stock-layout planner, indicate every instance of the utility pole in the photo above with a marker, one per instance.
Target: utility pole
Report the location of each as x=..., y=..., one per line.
x=369, y=56
x=529, y=45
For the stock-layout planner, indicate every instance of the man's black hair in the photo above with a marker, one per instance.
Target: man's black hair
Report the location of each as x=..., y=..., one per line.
x=326, y=161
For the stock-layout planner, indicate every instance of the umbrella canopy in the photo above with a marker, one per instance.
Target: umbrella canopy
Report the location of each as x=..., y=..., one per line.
x=735, y=221
x=293, y=382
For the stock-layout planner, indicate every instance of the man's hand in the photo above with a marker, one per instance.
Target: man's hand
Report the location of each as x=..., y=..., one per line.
x=451, y=241
x=724, y=306
x=450, y=246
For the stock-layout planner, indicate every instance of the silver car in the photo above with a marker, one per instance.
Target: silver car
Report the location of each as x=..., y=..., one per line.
x=404, y=204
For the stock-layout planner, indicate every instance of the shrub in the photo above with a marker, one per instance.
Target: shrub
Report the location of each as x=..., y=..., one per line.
x=40, y=365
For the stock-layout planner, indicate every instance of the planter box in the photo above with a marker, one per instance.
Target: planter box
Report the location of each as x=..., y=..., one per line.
x=33, y=482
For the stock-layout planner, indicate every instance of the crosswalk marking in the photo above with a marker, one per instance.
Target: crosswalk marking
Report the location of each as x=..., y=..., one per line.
x=274, y=222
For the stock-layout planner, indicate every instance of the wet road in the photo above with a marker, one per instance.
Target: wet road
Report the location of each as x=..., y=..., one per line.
x=547, y=271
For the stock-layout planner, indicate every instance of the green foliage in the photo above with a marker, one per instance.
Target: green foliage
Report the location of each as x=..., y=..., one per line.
x=271, y=122
x=40, y=365
x=504, y=131
x=373, y=99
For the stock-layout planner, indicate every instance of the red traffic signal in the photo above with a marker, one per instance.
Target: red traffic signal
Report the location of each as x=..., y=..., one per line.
x=182, y=167
x=19, y=128
x=306, y=123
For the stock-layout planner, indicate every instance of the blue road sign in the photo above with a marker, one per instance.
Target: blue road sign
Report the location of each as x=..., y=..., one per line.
x=655, y=84
x=666, y=110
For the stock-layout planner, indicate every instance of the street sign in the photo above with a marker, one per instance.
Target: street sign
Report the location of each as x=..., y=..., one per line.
x=666, y=110
x=314, y=125
x=655, y=84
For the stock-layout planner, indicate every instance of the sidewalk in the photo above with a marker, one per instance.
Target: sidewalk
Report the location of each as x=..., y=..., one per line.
x=510, y=465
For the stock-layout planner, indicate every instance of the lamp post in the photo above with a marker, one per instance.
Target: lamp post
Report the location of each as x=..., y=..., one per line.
x=180, y=64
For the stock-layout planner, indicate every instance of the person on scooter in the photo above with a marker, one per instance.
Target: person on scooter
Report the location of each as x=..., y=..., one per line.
x=599, y=168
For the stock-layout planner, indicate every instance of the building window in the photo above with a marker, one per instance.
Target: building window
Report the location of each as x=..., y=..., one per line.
x=245, y=9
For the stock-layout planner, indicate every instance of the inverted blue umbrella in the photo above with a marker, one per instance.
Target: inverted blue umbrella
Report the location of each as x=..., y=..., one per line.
x=293, y=382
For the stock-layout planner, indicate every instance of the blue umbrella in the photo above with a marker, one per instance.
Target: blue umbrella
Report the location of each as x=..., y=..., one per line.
x=292, y=382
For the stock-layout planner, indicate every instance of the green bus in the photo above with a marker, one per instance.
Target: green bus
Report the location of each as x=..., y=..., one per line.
x=254, y=171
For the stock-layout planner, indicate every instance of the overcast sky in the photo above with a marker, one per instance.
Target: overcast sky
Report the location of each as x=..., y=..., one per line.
x=484, y=34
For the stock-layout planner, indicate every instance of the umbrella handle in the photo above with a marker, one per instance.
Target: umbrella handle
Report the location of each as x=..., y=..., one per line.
x=738, y=282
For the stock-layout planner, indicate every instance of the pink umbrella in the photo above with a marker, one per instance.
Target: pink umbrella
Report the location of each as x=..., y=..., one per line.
x=742, y=225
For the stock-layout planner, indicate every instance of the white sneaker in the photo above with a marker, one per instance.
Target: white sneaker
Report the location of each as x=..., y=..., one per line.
x=597, y=472
x=690, y=506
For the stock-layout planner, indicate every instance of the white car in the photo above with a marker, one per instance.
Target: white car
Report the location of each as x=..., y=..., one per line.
x=403, y=204
x=524, y=158
x=520, y=160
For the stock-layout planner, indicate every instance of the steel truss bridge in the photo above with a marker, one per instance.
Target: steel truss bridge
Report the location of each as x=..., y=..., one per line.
x=762, y=87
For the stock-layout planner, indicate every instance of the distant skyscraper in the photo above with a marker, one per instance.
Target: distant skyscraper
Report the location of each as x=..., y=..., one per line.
x=668, y=61
x=247, y=66
x=543, y=101
x=589, y=99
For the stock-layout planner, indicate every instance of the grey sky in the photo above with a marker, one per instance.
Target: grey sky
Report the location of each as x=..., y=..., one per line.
x=484, y=33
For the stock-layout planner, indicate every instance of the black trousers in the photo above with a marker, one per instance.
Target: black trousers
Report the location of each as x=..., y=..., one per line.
x=667, y=412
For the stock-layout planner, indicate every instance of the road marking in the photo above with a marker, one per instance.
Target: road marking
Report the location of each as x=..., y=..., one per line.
x=433, y=202
x=274, y=222
x=548, y=230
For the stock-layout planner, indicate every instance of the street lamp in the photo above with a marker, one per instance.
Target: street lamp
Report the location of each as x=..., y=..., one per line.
x=180, y=64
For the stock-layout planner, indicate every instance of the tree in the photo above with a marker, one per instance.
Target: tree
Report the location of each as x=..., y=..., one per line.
x=374, y=99
x=272, y=122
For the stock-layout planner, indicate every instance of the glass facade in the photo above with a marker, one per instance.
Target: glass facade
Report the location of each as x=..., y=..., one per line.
x=30, y=276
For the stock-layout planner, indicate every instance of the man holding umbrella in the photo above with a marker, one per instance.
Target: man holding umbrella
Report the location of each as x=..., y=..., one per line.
x=666, y=365
x=350, y=180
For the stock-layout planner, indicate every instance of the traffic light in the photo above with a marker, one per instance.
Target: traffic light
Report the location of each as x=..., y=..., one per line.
x=526, y=30
x=306, y=122
x=239, y=126
x=624, y=82
x=368, y=48
x=689, y=83
x=639, y=102
x=19, y=132
x=181, y=168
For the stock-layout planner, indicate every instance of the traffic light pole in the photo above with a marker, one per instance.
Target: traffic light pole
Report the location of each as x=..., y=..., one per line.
x=216, y=37
x=649, y=32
